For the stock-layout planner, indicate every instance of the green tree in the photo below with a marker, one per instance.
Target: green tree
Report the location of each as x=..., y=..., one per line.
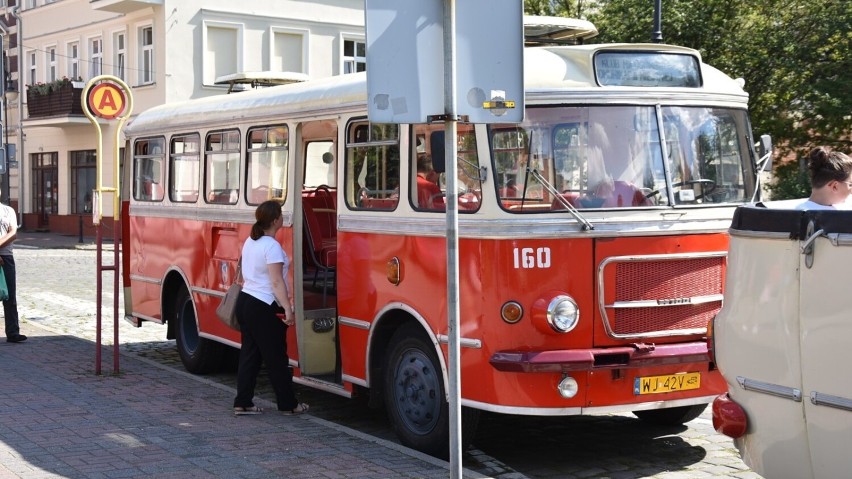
x=555, y=8
x=794, y=55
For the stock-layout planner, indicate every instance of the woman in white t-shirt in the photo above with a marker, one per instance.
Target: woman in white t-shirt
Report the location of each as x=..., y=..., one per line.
x=264, y=312
x=831, y=184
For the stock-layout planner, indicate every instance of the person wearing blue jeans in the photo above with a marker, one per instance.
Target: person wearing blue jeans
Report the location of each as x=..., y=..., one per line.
x=8, y=233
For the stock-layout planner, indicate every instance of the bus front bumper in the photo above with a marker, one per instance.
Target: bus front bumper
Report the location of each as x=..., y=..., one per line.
x=623, y=357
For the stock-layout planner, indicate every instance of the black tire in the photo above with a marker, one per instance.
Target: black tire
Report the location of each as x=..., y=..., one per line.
x=414, y=395
x=673, y=416
x=198, y=355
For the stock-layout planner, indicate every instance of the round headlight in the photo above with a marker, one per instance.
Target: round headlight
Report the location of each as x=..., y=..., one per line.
x=568, y=387
x=562, y=314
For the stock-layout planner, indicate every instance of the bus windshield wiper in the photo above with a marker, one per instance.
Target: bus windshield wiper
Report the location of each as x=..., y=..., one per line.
x=565, y=203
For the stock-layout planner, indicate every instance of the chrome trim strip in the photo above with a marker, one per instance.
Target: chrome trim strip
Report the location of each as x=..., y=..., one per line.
x=649, y=405
x=560, y=225
x=523, y=411
x=354, y=323
x=840, y=239
x=357, y=381
x=769, y=388
x=207, y=291
x=145, y=279
x=662, y=303
x=326, y=386
x=645, y=258
x=238, y=213
x=145, y=317
x=576, y=411
x=219, y=339
x=820, y=399
x=463, y=342
x=772, y=235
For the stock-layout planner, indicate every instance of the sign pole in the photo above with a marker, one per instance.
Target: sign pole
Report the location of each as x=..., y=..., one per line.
x=109, y=98
x=450, y=153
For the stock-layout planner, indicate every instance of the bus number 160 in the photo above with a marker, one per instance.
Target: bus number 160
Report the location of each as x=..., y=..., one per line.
x=532, y=258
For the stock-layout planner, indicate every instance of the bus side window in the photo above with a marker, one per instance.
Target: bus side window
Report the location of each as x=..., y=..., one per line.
x=222, y=167
x=428, y=176
x=148, y=159
x=372, y=166
x=267, y=156
x=183, y=168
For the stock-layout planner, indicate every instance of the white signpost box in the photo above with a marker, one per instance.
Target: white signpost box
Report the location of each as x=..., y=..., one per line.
x=423, y=55
x=406, y=60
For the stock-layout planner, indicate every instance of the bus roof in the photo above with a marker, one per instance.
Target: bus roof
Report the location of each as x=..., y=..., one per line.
x=551, y=72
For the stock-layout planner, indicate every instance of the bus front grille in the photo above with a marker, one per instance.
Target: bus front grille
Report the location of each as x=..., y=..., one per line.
x=660, y=295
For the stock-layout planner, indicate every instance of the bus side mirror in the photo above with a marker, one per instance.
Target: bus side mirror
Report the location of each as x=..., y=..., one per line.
x=765, y=152
x=436, y=142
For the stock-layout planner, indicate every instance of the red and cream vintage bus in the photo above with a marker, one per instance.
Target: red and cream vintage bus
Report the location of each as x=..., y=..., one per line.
x=592, y=236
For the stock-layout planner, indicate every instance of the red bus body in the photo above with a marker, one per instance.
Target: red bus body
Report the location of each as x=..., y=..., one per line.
x=644, y=279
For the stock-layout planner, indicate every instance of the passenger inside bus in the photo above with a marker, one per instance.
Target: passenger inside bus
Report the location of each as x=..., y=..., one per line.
x=429, y=194
x=614, y=194
x=510, y=190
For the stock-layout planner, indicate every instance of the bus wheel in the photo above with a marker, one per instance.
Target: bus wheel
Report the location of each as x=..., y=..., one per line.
x=198, y=355
x=414, y=394
x=673, y=416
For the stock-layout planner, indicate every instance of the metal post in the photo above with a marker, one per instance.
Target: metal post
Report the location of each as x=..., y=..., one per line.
x=4, y=124
x=98, y=314
x=450, y=153
x=116, y=262
x=657, y=34
x=21, y=92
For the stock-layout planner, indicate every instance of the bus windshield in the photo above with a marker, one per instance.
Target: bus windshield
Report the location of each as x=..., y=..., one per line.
x=612, y=157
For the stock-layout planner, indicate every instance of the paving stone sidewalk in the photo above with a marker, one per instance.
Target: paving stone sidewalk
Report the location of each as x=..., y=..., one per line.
x=62, y=420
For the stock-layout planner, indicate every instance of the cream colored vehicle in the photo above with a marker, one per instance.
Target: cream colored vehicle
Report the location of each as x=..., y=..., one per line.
x=783, y=342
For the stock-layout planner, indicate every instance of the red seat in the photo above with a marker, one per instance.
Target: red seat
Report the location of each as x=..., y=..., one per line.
x=322, y=200
x=321, y=251
x=571, y=198
x=625, y=194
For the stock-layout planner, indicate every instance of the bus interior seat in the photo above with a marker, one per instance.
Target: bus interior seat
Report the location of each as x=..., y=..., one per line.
x=323, y=201
x=259, y=194
x=572, y=198
x=625, y=194
x=321, y=251
x=469, y=201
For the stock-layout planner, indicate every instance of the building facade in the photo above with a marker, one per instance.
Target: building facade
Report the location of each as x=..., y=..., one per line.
x=165, y=51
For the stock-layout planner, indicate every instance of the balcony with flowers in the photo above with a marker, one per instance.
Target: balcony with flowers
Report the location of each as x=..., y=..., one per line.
x=56, y=98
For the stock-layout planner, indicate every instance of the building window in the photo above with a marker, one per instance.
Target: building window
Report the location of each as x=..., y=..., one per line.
x=288, y=52
x=83, y=174
x=96, y=57
x=222, y=167
x=45, y=185
x=31, y=68
x=74, y=60
x=146, y=55
x=222, y=49
x=354, y=56
x=119, y=59
x=51, y=64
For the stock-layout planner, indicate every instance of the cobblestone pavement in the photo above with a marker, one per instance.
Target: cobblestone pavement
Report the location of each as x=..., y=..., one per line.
x=506, y=447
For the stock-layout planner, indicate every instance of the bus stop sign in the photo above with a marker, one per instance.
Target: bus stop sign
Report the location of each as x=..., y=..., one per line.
x=405, y=60
x=107, y=100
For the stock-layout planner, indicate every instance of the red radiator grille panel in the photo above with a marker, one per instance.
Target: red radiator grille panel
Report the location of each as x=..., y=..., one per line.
x=646, y=320
x=666, y=280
